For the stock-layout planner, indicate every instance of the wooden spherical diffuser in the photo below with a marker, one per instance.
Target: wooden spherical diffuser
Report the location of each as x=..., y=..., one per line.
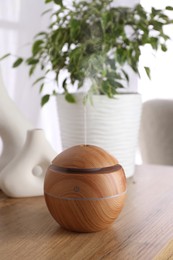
x=85, y=188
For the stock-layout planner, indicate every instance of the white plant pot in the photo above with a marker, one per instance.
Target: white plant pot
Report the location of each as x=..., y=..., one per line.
x=112, y=124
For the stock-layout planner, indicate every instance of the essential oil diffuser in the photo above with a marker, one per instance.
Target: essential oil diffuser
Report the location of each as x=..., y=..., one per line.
x=85, y=188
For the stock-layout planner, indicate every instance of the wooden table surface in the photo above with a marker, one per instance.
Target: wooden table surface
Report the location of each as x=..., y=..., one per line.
x=144, y=227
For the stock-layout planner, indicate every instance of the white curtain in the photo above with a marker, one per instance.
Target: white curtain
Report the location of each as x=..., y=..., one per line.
x=20, y=20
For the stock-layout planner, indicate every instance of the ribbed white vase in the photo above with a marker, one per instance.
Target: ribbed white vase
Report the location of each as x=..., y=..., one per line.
x=112, y=124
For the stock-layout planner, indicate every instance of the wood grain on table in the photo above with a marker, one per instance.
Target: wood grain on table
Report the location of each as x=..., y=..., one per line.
x=144, y=227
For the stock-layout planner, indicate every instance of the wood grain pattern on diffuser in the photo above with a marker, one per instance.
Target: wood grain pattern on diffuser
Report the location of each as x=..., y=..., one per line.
x=85, y=188
x=84, y=156
x=90, y=185
x=85, y=215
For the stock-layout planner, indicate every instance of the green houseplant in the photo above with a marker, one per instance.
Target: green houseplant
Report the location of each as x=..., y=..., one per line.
x=95, y=40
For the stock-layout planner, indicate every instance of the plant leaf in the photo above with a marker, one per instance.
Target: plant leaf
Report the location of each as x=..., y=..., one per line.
x=64, y=84
x=32, y=61
x=125, y=75
x=154, y=42
x=41, y=87
x=17, y=62
x=46, y=11
x=31, y=71
x=45, y=99
x=163, y=47
x=147, y=70
x=5, y=56
x=48, y=1
x=170, y=8
x=37, y=80
x=70, y=98
x=58, y=2
x=54, y=93
x=36, y=47
x=40, y=34
x=118, y=85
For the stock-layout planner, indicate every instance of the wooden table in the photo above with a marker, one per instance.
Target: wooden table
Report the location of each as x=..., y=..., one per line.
x=144, y=227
